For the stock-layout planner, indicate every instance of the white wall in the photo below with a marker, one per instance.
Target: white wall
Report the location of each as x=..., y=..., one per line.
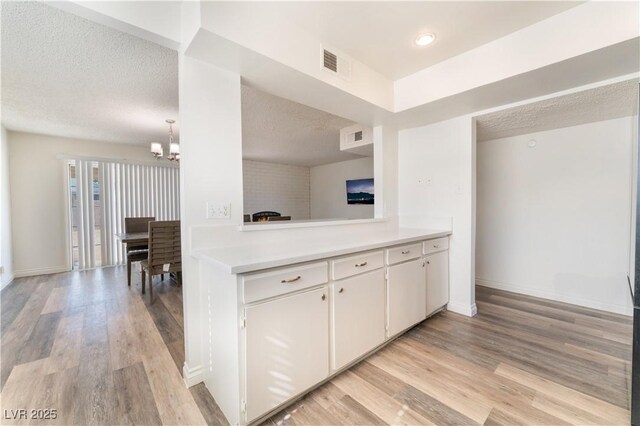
x=38, y=197
x=554, y=221
x=261, y=27
x=436, y=178
x=210, y=171
x=276, y=187
x=329, y=191
x=385, y=171
x=6, y=253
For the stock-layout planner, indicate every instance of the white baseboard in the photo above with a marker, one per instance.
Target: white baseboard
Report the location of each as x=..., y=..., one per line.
x=6, y=280
x=40, y=271
x=193, y=376
x=574, y=300
x=462, y=308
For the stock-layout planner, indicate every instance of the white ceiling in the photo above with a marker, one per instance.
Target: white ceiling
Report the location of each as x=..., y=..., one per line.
x=597, y=104
x=63, y=75
x=382, y=34
x=278, y=130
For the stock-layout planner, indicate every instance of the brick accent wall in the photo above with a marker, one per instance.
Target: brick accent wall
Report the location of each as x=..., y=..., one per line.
x=276, y=187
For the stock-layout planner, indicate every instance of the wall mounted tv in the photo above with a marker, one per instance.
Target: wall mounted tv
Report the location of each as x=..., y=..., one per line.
x=360, y=191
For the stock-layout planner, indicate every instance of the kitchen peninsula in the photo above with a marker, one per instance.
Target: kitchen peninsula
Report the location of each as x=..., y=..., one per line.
x=283, y=318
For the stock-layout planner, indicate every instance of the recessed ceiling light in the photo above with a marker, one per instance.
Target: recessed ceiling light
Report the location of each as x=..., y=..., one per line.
x=425, y=39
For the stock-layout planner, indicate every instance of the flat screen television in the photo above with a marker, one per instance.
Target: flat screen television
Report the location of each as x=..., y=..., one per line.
x=360, y=191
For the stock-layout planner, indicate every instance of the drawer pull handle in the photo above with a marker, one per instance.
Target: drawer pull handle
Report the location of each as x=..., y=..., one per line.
x=406, y=252
x=324, y=297
x=292, y=280
x=436, y=245
x=341, y=290
x=361, y=264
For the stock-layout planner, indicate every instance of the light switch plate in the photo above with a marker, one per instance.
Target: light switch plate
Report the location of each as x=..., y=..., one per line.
x=218, y=210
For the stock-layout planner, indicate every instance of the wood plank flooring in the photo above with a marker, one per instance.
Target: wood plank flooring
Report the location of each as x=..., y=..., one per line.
x=94, y=349
x=520, y=361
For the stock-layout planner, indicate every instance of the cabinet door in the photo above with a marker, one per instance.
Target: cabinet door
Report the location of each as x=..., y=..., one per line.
x=437, y=281
x=406, y=292
x=358, y=316
x=287, y=348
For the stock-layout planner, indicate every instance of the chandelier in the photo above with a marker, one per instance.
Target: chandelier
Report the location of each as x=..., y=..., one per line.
x=174, y=147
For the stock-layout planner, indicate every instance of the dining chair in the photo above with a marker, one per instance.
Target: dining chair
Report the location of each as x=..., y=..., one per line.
x=165, y=254
x=136, y=252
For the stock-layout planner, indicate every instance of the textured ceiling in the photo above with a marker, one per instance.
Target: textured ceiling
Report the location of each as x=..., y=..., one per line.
x=382, y=34
x=278, y=130
x=66, y=76
x=597, y=104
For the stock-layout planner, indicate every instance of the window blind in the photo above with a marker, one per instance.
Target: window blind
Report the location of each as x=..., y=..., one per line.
x=125, y=190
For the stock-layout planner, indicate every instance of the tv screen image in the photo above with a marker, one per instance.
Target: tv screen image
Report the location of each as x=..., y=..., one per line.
x=360, y=191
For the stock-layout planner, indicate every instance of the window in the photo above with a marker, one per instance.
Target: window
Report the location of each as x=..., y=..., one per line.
x=103, y=193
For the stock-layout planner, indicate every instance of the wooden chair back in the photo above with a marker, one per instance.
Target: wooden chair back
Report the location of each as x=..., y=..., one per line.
x=164, y=247
x=137, y=224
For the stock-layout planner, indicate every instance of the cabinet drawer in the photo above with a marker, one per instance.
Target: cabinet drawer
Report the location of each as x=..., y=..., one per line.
x=281, y=281
x=402, y=253
x=433, y=246
x=352, y=265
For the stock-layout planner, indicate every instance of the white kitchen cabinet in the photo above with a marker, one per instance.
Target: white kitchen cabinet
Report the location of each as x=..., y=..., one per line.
x=278, y=327
x=358, y=314
x=437, y=271
x=406, y=293
x=287, y=348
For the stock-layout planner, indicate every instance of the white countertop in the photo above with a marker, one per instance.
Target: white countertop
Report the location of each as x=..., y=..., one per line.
x=250, y=258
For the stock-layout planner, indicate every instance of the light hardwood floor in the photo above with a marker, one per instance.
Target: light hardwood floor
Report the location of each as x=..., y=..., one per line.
x=520, y=361
x=94, y=349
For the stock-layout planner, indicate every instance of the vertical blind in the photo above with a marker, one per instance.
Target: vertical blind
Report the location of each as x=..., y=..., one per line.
x=125, y=190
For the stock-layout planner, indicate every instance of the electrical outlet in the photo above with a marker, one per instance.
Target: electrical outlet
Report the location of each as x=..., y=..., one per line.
x=218, y=210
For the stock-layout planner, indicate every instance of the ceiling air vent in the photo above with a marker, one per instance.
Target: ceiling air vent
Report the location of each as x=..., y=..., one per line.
x=330, y=61
x=336, y=63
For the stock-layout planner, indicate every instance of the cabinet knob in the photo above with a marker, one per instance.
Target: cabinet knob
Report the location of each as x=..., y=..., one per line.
x=324, y=297
x=341, y=290
x=361, y=264
x=428, y=263
x=291, y=280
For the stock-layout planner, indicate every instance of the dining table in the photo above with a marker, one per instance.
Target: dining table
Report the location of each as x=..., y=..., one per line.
x=137, y=238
